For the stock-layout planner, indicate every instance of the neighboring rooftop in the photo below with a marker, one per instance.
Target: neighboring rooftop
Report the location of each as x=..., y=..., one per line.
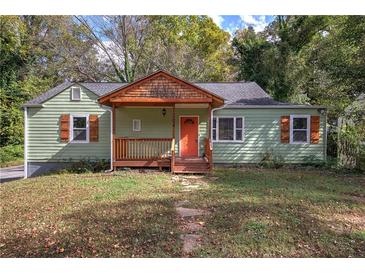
x=236, y=94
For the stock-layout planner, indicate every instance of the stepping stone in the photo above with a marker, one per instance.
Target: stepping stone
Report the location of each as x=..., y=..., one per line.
x=185, y=183
x=184, y=212
x=175, y=178
x=192, y=227
x=191, y=186
x=191, y=242
x=193, y=177
x=182, y=203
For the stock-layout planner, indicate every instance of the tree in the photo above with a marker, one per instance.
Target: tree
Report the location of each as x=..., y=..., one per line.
x=306, y=59
x=192, y=47
x=121, y=42
x=250, y=50
x=37, y=52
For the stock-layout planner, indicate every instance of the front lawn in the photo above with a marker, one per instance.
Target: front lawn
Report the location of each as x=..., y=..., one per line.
x=252, y=213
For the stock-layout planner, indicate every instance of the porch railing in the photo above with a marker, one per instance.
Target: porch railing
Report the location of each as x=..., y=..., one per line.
x=142, y=148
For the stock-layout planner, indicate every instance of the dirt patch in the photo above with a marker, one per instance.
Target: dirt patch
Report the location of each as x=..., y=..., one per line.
x=190, y=242
x=345, y=222
x=355, y=220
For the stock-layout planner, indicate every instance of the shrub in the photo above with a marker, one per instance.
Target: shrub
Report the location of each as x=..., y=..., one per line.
x=11, y=153
x=87, y=165
x=269, y=160
x=350, y=147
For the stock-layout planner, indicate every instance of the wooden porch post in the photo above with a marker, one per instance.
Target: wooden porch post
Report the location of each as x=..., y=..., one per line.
x=113, y=130
x=210, y=158
x=210, y=121
x=173, y=139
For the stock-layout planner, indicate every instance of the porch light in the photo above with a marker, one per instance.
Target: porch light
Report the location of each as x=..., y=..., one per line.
x=163, y=112
x=321, y=111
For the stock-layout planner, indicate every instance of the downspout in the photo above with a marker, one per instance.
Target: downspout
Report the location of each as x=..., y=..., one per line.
x=111, y=140
x=25, y=142
x=325, y=137
x=212, y=116
x=211, y=127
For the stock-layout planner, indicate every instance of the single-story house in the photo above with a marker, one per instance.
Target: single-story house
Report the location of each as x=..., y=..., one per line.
x=163, y=121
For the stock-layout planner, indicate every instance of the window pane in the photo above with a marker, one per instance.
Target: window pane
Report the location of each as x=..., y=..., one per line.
x=80, y=134
x=214, y=122
x=225, y=128
x=136, y=125
x=299, y=123
x=238, y=122
x=299, y=135
x=214, y=134
x=79, y=122
x=239, y=134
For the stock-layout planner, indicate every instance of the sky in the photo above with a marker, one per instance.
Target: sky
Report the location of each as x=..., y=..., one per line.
x=231, y=23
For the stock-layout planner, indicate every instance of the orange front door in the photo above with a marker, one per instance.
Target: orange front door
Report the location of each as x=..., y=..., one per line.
x=189, y=136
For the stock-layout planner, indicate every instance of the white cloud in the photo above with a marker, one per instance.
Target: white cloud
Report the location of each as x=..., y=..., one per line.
x=217, y=19
x=232, y=28
x=258, y=23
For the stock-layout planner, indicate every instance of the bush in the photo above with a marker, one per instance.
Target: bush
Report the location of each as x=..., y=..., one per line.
x=11, y=153
x=269, y=160
x=87, y=165
x=332, y=142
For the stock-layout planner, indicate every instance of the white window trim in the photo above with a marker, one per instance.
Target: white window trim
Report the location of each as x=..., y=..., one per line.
x=72, y=128
x=308, y=128
x=234, y=130
x=140, y=125
x=72, y=94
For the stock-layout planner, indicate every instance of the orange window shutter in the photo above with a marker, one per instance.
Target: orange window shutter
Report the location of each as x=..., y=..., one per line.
x=315, y=121
x=285, y=129
x=94, y=127
x=64, y=128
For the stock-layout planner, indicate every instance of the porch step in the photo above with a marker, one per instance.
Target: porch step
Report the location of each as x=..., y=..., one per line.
x=191, y=165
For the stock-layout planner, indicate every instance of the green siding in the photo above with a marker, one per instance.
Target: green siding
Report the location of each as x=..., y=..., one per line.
x=155, y=125
x=43, y=130
x=262, y=134
x=261, y=131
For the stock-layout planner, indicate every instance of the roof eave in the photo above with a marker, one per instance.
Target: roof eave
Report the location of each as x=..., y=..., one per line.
x=277, y=106
x=31, y=105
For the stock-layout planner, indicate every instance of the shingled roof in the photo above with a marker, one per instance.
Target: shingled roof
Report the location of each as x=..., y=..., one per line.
x=235, y=94
x=240, y=93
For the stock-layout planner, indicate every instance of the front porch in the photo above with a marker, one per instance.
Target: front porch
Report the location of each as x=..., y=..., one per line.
x=159, y=142
x=164, y=122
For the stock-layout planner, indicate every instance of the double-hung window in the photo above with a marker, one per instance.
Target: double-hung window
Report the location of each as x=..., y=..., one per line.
x=228, y=129
x=299, y=129
x=79, y=128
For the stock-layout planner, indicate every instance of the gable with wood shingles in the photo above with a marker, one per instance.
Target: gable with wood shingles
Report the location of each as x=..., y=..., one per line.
x=161, y=87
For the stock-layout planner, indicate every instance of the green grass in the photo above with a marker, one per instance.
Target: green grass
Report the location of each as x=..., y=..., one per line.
x=11, y=155
x=254, y=213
